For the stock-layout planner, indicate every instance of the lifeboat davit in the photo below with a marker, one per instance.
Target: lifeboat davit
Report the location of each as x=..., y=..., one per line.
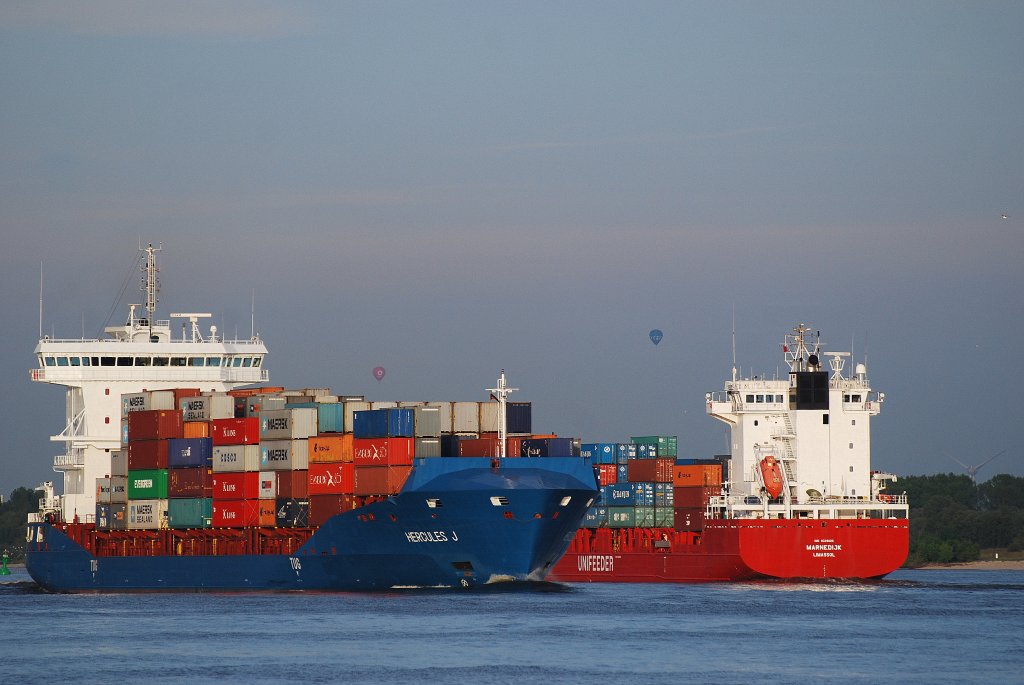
x=771, y=474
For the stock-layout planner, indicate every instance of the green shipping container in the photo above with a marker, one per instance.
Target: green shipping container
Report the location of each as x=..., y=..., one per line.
x=668, y=445
x=190, y=512
x=147, y=484
x=664, y=517
x=644, y=517
x=621, y=517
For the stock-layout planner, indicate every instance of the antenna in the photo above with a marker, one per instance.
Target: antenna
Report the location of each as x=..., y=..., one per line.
x=40, y=299
x=733, y=342
x=252, y=316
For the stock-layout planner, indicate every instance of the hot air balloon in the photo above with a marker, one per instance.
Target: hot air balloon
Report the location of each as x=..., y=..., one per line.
x=656, y=336
x=378, y=373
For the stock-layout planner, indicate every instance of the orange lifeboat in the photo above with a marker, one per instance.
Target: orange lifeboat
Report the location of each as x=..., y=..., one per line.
x=771, y=474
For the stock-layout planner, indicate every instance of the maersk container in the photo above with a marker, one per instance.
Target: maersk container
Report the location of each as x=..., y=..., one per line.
x=428, y=447
x=195, y=512
x=330, y=417
x=207, y=407
x=667, y=445
x=146, y=514
x=284, y=455
x=621, y=517
x=465, y=417
x=288, y=424
x=618, y=495
x=147, y=484
x=233, y=458
x=427, y=421
x=596, y=517
x=147, y=401
x=187, y=453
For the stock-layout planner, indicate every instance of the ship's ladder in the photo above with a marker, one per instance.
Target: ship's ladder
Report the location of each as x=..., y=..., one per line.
x=787, y=457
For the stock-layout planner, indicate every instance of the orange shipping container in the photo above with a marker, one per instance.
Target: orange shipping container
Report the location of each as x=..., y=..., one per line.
x=380, y=480
x=330, y=449
x=197, y=429
x=331, y=479
x=696, y=474
x=268, y=512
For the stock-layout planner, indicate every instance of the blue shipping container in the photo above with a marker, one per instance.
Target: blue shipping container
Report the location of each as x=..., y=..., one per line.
x=188, y=453
x=646, y=451
x=643, y=494
x=596, y=517
x=618, y=495
x=624, y=452
x=399, y=422
x=549, y=447
x=518, y=417
x=371, y=423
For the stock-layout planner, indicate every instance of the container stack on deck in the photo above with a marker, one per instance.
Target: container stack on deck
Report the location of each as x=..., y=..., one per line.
x=270, y=458
x=645, y=485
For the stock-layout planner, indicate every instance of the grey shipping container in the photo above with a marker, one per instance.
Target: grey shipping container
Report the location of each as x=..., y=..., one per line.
x=284, y=455
x=233, y=458
x=288, y=424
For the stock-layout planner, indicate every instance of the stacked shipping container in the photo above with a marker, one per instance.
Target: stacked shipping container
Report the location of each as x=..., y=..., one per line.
x=289, y=459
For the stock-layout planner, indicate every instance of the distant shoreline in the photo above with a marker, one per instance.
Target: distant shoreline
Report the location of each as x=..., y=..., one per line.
x=990, y=565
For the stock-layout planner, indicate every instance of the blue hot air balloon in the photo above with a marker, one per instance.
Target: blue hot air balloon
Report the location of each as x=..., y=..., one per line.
x=656, y=336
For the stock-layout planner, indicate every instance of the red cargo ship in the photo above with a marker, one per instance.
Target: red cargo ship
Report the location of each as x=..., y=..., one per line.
x=796, y=499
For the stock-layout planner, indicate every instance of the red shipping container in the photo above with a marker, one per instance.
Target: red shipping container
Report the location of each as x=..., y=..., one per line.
x=327, y=449
x=641, y=470
x=607, y=474
x=689, y=519
x=236, y=485
x=267, y=512
x=323, y=507
x=331, y=479
x=695, y=496
x=488, y=447
x=179, y=393
x=380, y=480
x=190, y=483
x=235, y=513
x=292, y=484
x=147, y=454
x=697, y=474
x=235, y=431
x=156, y=424
x=383, y=451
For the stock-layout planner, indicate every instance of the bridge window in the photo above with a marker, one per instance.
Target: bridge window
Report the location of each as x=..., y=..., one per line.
x=256, y=361
x=76, y=361
x=778, y=398
x=62, y=361
x=142, y=361
x=106, y=361
x=213, y=361
x=196, y=361
x=824, y=419
x=177, y=361
x=246, y=362
x=160, y=361
x=237, y=361
x=124, y=361
x=760, y=399
x=750, y=398
x=51, y=361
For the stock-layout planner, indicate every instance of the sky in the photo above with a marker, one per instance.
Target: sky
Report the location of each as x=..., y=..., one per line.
x=448, y=189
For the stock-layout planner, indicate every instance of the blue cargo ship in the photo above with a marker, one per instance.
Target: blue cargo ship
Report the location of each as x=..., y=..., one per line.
x=178, y=494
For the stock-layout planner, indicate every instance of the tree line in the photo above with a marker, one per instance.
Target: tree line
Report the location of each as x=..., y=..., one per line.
x=13, y=519
x=953, y=519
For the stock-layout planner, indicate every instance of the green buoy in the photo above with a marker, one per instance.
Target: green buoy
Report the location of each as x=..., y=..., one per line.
x=4, y=571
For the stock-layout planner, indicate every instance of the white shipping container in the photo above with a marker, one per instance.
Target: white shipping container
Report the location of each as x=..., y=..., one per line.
x=119, y=462
x=283, y=424
x=350, y=408
x=383, y=405
x=284, y=455
x=119, y=489
x=146, y=514
x=207, y=407
x=465, y=417
x=489, y=417
x=268, y=484
x=235, y=458
x=103, y=491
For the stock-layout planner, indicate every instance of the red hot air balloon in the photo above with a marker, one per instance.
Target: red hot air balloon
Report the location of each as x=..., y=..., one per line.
x=378, y=373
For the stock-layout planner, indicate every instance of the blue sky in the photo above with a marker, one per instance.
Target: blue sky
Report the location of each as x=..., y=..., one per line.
x=451, y=188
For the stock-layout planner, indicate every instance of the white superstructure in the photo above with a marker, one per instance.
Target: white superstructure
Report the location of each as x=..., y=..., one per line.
x=143, y=354
x=816, y=424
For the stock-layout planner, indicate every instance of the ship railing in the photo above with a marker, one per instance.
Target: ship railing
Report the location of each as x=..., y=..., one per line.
x=169, y=373
x=63, y=461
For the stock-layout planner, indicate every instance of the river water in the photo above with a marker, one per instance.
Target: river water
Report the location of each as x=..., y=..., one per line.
x=935, y=626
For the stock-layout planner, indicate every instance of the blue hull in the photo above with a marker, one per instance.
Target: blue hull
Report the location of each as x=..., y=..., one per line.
x=486, y=525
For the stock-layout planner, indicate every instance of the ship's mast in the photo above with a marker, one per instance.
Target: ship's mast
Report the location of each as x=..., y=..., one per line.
x=150, y=283
x=501, y=394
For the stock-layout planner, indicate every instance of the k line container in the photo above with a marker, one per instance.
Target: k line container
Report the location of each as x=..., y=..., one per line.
x=146, y=514
x=236, y=485
x=228, y=513
x=284, y=455
x=244, y=431
x=233, y=458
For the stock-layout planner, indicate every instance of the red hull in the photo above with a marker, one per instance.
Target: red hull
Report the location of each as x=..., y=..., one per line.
x=738, y=549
